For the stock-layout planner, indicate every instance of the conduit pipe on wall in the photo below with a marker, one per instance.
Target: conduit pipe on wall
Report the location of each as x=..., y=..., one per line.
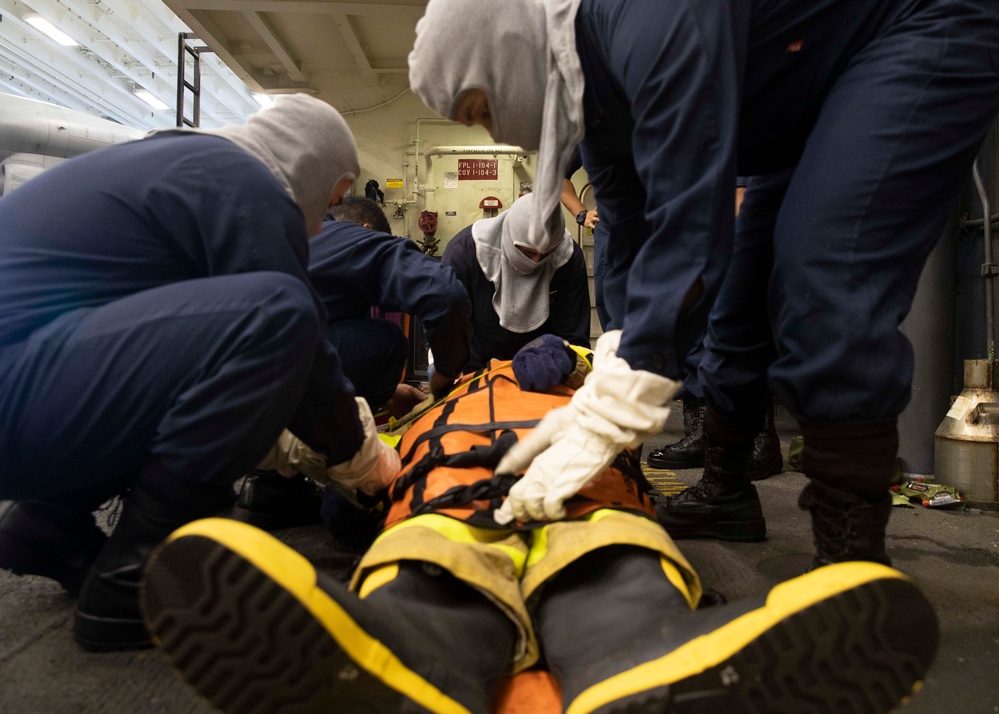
x=988, y=270
x=472, y=150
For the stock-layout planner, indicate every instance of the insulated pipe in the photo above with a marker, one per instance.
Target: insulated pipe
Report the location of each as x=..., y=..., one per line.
x=472, y=150
x=32, y=127
x=987, y=269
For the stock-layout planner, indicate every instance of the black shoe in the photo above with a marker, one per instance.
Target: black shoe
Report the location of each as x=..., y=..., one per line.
x=107, y=613
x=712, y=509
x=252, y=626
x=688, y=452
x=270, y=501
x=841, y=638
x=767, y=458
x=41, y=538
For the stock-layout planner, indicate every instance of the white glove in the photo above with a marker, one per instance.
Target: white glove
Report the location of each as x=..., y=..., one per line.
x=616, y=408
x=290, y=456
x=374, y=466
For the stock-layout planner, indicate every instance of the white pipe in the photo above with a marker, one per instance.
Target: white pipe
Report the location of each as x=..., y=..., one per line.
x=34, y=127
x=472, y=150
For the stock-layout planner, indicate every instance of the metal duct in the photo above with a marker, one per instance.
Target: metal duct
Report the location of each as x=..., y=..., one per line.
x=32, y=127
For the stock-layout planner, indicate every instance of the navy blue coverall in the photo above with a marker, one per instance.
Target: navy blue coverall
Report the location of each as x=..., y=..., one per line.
x=568, y=304
x=354, y=268
x=872, y=109
x=157, y=324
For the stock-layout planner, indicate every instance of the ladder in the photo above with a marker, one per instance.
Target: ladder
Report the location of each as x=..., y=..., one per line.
x=184, y=48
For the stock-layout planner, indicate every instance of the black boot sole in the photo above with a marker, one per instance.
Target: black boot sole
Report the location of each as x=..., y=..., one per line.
x=673, y=461
x=109, y=634
x=273, y=521
x=247, y=626
x=732, y=531
x=863, y=650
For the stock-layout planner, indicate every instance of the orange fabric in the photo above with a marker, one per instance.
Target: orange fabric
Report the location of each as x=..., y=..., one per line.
x=530, y=692
x=474, y=415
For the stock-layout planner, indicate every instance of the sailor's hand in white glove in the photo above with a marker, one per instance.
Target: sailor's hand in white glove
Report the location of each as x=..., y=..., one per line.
x=290, y=456
x=616, y=408
x=375, y=465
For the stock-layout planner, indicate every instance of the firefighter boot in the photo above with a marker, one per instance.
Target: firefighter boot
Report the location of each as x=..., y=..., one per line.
x=767, y=458
x=107, y=613
x=270, y=501
x=688, y=452
x=851, y=467
x=723, y=504
x=50, y=539
x=619, y=636
x=254, y=628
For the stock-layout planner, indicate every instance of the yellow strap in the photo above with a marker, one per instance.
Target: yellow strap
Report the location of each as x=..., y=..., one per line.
x=391, y=439
x=396, y=424
x=585, y=354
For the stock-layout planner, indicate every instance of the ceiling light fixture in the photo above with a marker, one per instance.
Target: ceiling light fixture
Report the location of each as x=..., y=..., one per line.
x=47, y=28
x=264, y=100
x=151, y=99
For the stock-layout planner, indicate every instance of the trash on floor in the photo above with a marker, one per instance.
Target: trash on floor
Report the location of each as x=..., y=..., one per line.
x=932, y=495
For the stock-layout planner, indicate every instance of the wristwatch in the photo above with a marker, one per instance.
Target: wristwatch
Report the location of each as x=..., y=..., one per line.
x=581, y=217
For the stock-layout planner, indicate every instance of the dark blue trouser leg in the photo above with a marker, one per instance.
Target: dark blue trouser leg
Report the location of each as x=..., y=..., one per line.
x=739, y=345
x=373, y=354
x=600, y=239
x=178, y=387
x=863, y=209
x=692, y=388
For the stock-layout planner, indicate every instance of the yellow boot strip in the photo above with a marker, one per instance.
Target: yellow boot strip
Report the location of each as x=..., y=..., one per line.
x=378, y=577
x=711, y=649
x=297, y=576
x=677, y=580
x=560, y=543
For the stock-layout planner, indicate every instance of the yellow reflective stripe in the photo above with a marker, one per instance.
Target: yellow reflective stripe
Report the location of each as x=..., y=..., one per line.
x=709, y=650
x=584, y=354
x=539, y=546
x=378, y=577
x=675, y=578
x=399, y=423
x=391, y=440
x=539, y=540
x=297, y=576
x=460, y=532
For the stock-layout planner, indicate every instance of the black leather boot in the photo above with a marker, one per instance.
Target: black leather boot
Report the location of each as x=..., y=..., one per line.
x=254, y=628
x=767, y=458
x=723, y=504
x=851, y=467
x=688, y=452
x=107, y=613
x=270, y=501
x=49, y=539
x=620, y=638
x=846, y=528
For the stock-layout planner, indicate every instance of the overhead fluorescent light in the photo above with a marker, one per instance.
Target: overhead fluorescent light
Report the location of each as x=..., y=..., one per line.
x=47, y=28
x=150, y=99
x=264, y=100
